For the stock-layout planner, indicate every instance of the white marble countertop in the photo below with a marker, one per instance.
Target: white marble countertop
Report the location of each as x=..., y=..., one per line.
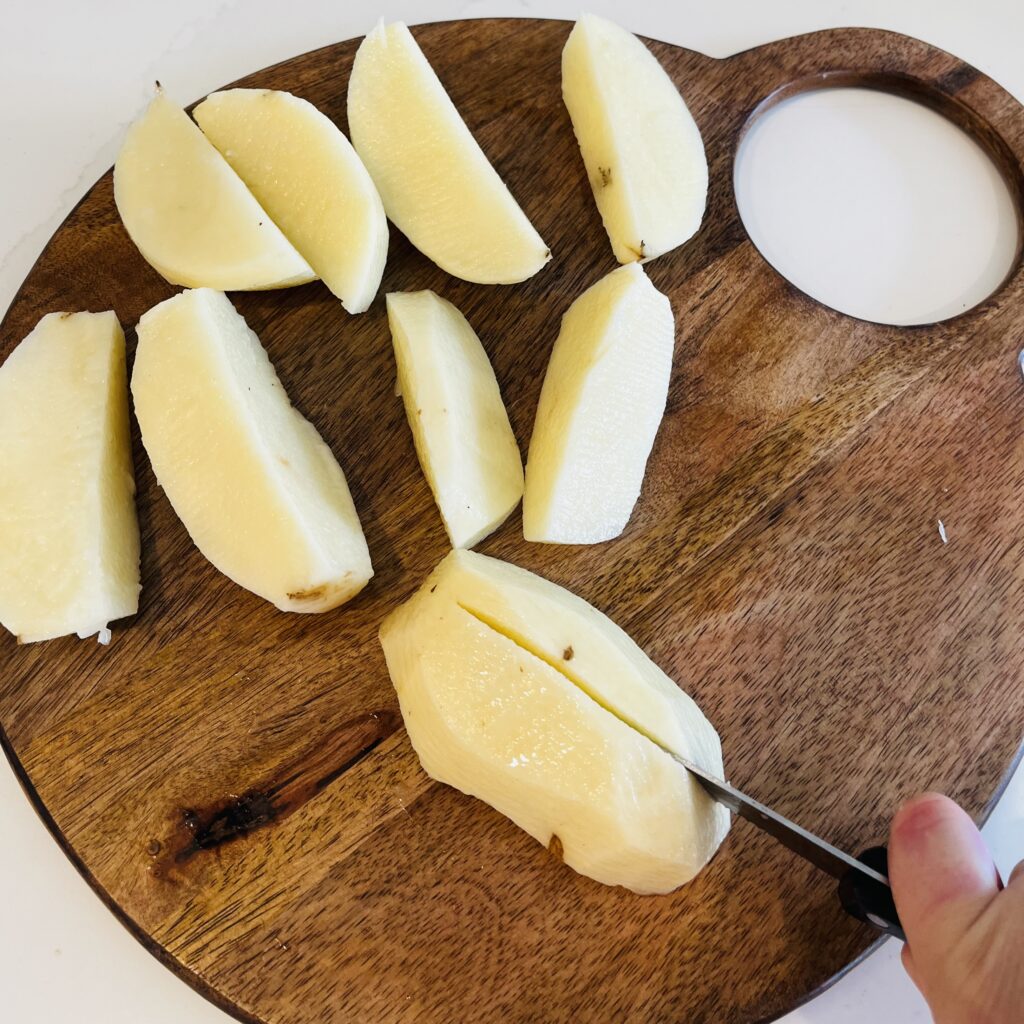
x=73, y=76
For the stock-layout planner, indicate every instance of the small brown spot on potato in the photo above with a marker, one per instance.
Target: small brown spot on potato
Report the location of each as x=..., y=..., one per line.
x=313, y=594
x=568, y=653
x=555, y=847
x=606, y=176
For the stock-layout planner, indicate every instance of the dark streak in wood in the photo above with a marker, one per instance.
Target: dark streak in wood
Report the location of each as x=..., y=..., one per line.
x=958, y=79
x=237, y=816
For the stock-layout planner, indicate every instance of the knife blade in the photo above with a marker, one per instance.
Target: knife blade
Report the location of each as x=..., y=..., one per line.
x=864, y=889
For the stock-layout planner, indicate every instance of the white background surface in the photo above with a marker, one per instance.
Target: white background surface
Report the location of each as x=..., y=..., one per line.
x=926, y=224
x=72, y=75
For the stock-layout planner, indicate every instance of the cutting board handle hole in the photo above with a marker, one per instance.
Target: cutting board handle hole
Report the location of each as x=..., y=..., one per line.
x=880, y=196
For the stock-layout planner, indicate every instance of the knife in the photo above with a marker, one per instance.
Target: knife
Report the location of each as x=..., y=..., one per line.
x=864, y=890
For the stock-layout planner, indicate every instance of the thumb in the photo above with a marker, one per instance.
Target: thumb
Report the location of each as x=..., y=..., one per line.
x=943, y=878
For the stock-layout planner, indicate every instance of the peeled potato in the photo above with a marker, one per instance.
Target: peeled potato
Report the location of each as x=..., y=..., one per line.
x=461, y=430
x=438, y=187
x=256, y=487
x=517, y=692
x=191, y=216
x=641, y=147
x=600, y=407
x=69, y=541
x=308, y=177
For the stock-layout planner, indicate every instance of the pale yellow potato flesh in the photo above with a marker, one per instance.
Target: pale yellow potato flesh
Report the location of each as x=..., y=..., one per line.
x=459, y=424
x=500, y=716
x=69, y=540
x=600, y=407
x=190, y=215
x=306, y=175
x=258, y=490
x=438, y=187
x=642, y=149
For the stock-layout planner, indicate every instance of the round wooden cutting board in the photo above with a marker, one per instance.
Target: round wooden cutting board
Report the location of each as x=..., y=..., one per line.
x=235, y=782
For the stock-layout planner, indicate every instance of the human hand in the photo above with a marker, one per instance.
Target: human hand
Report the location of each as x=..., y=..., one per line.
x=965, y=931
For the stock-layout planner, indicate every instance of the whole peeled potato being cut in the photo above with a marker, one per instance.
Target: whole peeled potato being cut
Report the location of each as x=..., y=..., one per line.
x=517, y=692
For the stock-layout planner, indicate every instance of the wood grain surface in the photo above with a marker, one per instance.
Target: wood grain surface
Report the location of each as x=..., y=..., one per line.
x=236, y=783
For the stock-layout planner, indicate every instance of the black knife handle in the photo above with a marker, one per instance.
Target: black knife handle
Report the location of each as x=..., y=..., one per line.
x=868, y=900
